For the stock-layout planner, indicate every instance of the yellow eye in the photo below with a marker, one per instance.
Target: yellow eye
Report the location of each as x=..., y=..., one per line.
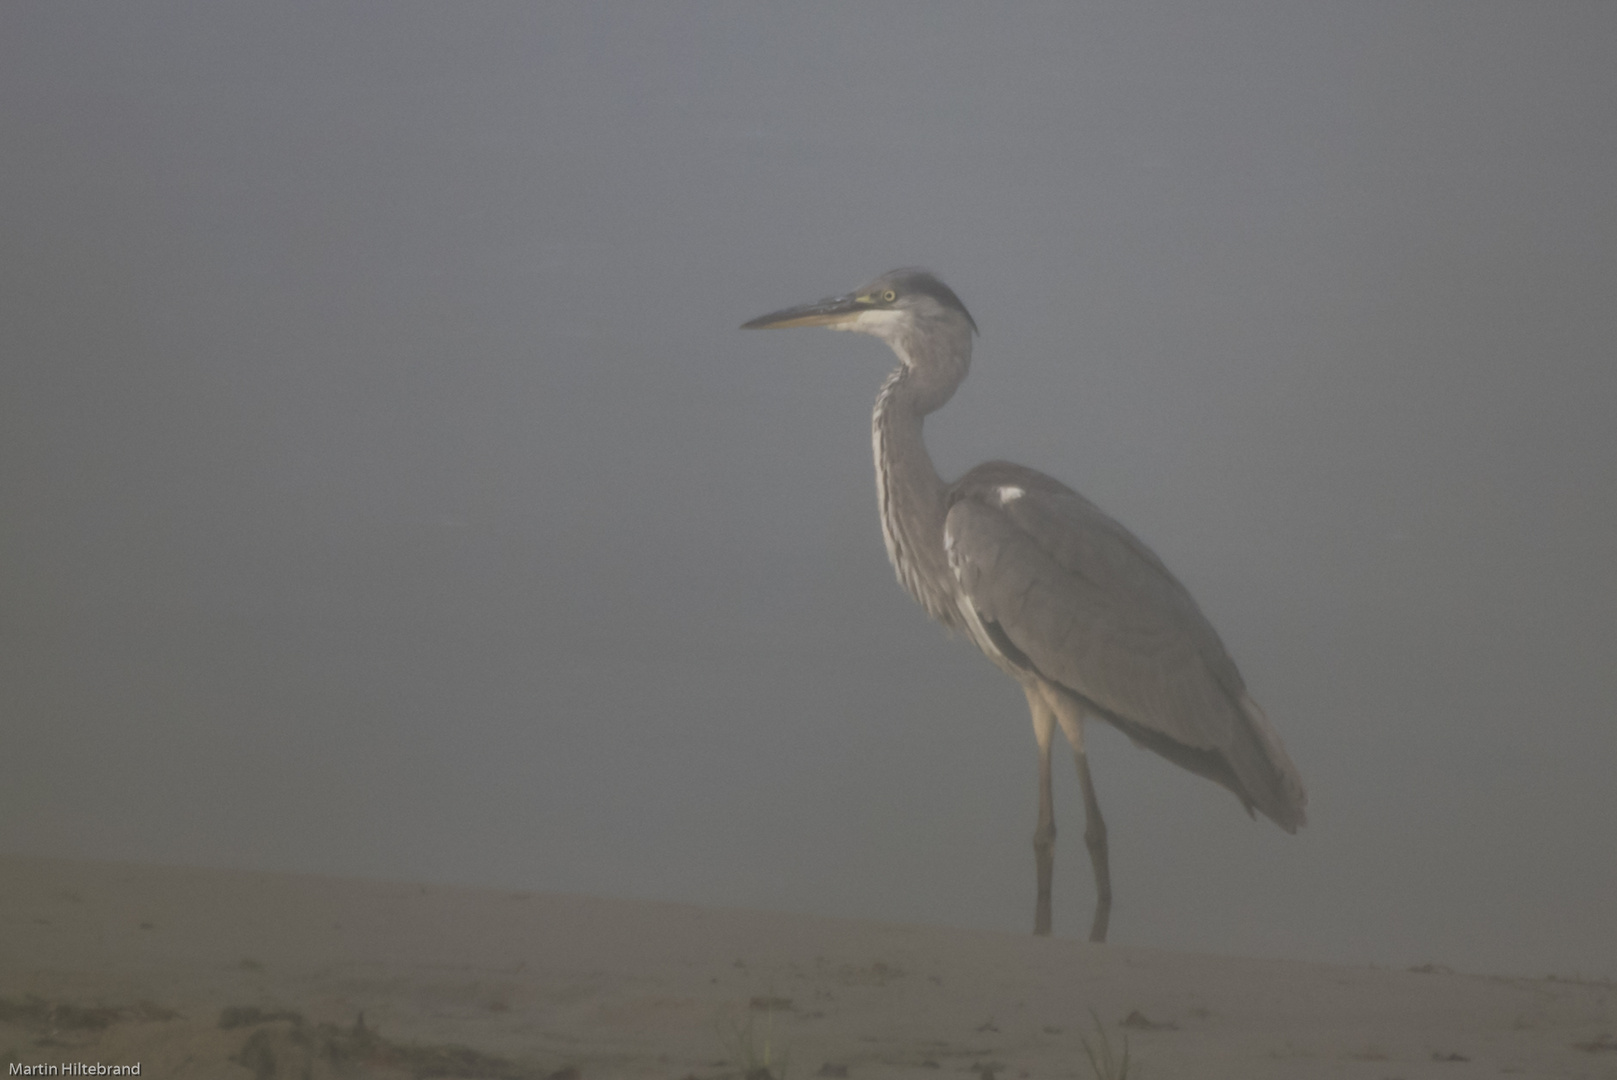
x=889, y=296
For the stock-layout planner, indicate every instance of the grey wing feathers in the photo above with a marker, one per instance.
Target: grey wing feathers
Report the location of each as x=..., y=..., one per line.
x=1058, y=586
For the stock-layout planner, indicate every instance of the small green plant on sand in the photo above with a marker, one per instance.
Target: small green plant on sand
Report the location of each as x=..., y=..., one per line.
x=1106, y=1066
x=742, y=1043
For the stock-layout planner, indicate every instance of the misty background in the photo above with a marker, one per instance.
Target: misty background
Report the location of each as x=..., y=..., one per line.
x=386, y=490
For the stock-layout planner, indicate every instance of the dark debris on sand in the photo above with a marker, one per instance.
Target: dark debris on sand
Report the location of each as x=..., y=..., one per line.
x=283, y=1045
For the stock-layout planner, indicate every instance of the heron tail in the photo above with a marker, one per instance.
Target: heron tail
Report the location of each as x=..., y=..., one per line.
x=1272, y=782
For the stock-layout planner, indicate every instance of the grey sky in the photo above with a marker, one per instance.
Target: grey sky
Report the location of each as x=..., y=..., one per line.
x=385, y=488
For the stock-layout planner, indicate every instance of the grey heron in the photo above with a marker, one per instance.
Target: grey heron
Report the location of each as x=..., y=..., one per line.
x=1062, y=598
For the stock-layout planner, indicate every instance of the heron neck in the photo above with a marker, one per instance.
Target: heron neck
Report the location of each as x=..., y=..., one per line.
x=910, y=492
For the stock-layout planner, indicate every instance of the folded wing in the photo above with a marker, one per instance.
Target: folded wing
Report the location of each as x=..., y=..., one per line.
x=1062, y=590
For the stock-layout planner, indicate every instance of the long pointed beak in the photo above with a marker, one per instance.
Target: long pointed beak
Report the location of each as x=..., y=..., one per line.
x=832, y=311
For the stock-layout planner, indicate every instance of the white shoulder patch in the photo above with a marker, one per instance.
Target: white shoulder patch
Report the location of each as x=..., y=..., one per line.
x=956, y=558
x=1010, y=493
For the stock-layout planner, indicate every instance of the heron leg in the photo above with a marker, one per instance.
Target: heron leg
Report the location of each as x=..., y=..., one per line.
x=1044, y=834
x=1072, y=725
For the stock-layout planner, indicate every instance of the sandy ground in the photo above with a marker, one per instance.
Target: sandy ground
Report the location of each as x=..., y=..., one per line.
x=226, y=974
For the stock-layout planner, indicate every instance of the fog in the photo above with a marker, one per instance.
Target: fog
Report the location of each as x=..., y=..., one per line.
x=388, y=492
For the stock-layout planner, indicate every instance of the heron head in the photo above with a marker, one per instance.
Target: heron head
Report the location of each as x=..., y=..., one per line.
x=897, y=306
